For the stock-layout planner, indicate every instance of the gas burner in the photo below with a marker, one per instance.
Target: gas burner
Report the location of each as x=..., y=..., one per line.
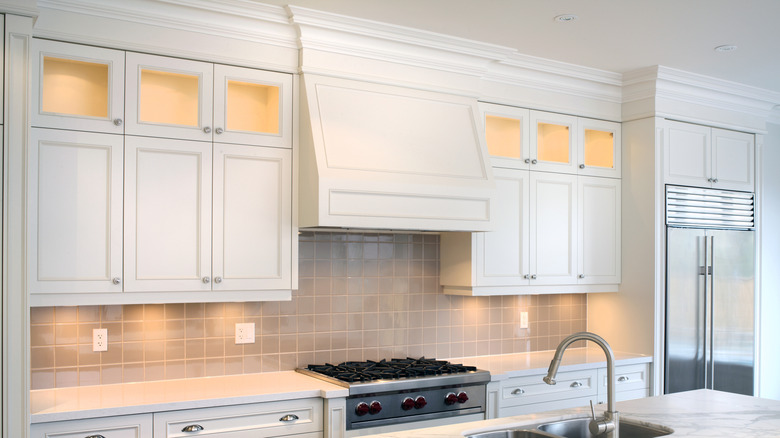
x=389, y=369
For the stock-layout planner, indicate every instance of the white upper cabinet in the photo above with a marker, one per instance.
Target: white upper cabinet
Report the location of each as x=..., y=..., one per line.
x=553, y=221
x=252, y=107
x=701, y=156
x=74, y=212
x=252, y=218
x=553, y=140
x=167, y=215
x=169, y=97
x=598, y=223
x=598, y=148
x=507, y=135
x=77, y=87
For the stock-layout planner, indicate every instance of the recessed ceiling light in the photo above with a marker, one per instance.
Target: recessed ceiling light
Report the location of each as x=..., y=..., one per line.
x=565, y=18
x=726, y=48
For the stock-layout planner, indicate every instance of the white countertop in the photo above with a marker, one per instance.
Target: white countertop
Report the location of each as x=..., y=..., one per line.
x=166, y=395
x=504, y=366
x=697, y=414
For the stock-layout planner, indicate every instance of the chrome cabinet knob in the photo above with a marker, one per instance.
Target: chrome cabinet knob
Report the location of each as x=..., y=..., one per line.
x=534, y=161
x=527, y=160
x=192, y=428
x=581, y=276
x=288, y=418
x=715, y=180
x=533, y=276
x=526, y=276
x=709, y=179
x=206, y=129
x=218, y=280
x=95, y=436
x=116, y=280
x=219, y=131
x=206, y=279
x=118, y=122
x=582, y=166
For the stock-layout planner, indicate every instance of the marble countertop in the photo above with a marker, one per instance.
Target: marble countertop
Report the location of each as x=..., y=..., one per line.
x=167, y=395
x=505, y=366
x=697, y=414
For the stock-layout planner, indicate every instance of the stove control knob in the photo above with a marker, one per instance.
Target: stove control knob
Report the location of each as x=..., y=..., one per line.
x=462, y=397
x=361, y=409
x=375, y=407
x=420, y=402
x=450, y=399
x=407, y=404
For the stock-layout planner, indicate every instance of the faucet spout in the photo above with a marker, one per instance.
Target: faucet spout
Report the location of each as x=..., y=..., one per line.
x=611, y=416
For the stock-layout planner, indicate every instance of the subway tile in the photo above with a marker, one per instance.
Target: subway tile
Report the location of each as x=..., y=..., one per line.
x=41, y=335
x=66, y=377
x=65, y=334
x=174, y=311
x=42, y=378
x=41, y=357
x=66, y=314
x=42, y=315
x=66, y=356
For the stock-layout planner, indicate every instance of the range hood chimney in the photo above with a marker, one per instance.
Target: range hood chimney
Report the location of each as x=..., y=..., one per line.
x=385, y=157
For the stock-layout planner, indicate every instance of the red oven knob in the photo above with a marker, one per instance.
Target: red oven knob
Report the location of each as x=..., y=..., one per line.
x=407, y=404
x=420, y=402
x=462, y=397
x=450, y=399
x=375, y=407
x=361, y=409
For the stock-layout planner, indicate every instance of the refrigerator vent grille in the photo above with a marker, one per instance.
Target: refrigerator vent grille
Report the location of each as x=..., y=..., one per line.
x=697, y=207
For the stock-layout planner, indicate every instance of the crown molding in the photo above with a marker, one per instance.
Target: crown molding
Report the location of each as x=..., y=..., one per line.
x=25, y=8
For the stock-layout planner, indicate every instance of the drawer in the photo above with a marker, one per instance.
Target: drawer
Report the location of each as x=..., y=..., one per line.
x=126, y=426
x=627, y=377
x=239, y=421
x=531, y=389
x=533, y=408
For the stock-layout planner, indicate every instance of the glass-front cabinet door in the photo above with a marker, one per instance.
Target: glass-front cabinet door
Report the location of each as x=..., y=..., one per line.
x=77, y=87
x=553, y=137
x=506, y=134
x=252, y=107
x=599, y=148
x=169, y=97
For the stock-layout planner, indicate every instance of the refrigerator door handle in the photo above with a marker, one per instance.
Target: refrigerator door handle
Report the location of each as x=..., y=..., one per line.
x=711, y=328
x=708, y=313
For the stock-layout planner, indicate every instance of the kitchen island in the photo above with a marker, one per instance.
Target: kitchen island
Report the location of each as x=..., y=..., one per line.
x=701, y=413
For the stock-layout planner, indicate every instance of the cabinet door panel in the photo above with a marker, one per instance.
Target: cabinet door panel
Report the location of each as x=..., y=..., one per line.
x=75, y=211
x=167, y=214
x=687, y=154
x=169, y=97
x=553, y=228
x=599, y=148
x=252, y=107
x=733, y=160
x=599, y=230
x=252, y=218
x=507, y=135
x=553, y=137
x=504, y=252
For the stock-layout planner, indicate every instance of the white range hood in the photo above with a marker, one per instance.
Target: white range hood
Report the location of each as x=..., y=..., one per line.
x=391, y=158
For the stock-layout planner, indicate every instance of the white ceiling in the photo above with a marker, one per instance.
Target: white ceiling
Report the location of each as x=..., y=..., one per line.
x=612, y=35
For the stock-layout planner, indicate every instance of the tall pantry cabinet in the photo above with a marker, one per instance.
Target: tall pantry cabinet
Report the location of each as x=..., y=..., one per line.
x=151, y=176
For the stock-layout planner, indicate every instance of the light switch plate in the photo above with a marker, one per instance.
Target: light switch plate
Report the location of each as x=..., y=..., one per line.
x=100, y=339
x=245, y=333
x=523, y=319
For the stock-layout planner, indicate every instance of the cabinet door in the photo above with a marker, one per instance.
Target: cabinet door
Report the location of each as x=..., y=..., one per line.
x=252, y=218
x=167, y=215
x=553, y=137
x=687, y=154
x=124, y=426
x=599, y=148
x=502, y=255
x=507, y=135
x=733, y=164
x=598, y=230
x=553, y=228
x=77, y=87
x=74, y=211
x=169, y=97
x=252, y=107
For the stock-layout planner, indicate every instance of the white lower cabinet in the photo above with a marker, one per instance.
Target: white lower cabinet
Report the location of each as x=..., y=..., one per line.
x=631, y=381
x=126, y=426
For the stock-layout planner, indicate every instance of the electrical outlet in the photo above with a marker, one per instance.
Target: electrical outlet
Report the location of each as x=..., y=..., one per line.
x=524, y=319
x=100, y=339
x=245, y=333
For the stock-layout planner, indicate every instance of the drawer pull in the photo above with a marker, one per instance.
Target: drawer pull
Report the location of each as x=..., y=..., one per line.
x=623, y=379
x=518, y=391
x=289, y=417
x=95, y=436
x=192, y=428
x=575, y=385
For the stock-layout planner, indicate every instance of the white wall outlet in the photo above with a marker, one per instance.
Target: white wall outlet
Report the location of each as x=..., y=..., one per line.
x=523, y=319
x=100, y=339
x=245, y=333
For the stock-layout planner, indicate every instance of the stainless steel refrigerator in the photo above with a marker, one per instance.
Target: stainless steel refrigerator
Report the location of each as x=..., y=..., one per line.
x=710, y=293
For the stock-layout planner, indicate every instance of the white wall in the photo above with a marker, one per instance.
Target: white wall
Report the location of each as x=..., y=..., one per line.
x=769, y=361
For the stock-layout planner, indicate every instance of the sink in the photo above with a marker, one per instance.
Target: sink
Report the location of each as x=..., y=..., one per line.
x=578, y=428
x=514, y=433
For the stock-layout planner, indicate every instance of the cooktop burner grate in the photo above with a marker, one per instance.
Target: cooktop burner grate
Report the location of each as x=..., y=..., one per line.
x=389, y=369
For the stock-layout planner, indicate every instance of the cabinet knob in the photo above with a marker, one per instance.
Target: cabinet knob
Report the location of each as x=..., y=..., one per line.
x=192, y=428
x=715, y=180
x=581, y=276
x=219, y=131
x=582, y=166
x=527, y=160
x=575, y=385
x=218, y=280
x=533, y=276
x=526, y=276
x=518, y=391
x=288, y=418
x=709, y=179
x=95, y=436
x=118, y=122
x=206, y=129
x=622, y=379
x=116, y=280
x=534, y=161
x=206, y=279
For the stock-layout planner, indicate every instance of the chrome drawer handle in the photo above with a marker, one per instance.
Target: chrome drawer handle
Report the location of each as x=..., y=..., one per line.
x=289, y=417
x=623, y=379
x=518, y=391
x=575, y=385
x=95, y=436
x=192, y=428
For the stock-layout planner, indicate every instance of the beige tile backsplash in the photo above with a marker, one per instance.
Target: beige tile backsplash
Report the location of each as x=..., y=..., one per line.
x=361, y=296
